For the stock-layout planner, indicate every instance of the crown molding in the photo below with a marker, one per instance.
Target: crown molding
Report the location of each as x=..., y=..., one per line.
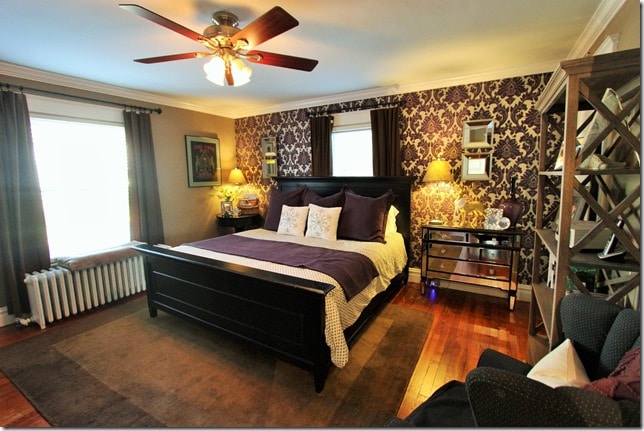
x=604, y=14
x=51, y=78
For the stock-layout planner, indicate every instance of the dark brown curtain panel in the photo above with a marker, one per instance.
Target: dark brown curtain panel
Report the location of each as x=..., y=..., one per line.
x=385, y=135
x=23, y=234
x=321, y=128
x=146, y=223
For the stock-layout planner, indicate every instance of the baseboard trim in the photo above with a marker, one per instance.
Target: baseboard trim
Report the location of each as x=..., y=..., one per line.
x=6, y=319
x=523, y=290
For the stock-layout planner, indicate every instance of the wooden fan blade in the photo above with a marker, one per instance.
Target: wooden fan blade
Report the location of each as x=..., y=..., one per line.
x=275, y=21
x=165, y=22
x=172, y=57
x=281, y=60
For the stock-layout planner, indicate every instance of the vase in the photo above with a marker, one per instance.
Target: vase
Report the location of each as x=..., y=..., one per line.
x=512, y=208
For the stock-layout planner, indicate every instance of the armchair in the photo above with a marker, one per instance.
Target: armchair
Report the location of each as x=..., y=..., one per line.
x=498, y=392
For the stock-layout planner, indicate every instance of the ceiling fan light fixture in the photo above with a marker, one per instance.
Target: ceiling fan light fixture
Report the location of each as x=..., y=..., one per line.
x=241, y=72
x=215, y=70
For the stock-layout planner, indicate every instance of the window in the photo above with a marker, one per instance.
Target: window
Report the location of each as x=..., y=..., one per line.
x=351, y=147
x=82, y=168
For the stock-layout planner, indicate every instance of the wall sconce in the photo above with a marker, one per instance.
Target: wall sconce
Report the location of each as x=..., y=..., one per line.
x=438, y=170
x=269, y=157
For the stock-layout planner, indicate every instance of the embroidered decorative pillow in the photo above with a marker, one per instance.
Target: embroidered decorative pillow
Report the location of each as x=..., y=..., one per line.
x=323, y=222
x=292, y=220
x=560, y=367
x=276, y=199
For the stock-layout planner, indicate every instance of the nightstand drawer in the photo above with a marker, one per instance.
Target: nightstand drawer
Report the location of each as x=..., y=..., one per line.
x=443, y=250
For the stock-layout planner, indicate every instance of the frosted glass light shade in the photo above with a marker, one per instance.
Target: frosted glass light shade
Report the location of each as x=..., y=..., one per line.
x=215, y=70
x=438, y=170
x=241, y=72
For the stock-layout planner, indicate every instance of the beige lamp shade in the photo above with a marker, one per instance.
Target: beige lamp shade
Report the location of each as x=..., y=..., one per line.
x=438, y=170
x=236, y=177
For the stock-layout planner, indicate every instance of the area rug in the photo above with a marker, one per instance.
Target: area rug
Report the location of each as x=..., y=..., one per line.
x=121, y=368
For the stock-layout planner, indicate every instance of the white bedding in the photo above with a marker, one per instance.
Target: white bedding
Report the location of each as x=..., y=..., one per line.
x=389, y=259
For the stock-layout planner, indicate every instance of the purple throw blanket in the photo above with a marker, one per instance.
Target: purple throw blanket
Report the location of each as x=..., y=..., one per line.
x=352, y=271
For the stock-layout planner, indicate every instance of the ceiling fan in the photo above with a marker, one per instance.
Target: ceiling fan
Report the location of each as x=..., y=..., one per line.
x=228, y=44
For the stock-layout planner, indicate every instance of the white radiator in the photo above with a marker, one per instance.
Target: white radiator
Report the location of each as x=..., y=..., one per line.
x=58, y=292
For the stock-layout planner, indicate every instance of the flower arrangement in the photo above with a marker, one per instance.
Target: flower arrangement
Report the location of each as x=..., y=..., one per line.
x=227, y=193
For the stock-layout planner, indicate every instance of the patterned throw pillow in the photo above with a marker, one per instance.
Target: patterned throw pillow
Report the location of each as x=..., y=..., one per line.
x=323, y=222
x=276, y=199
x=292, y=220
x=624, y=382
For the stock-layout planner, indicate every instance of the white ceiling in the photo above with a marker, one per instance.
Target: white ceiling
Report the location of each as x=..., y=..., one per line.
x=365, y=48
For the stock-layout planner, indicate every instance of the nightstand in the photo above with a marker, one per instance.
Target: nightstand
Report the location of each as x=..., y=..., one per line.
x=241, y=222
x=483, y=257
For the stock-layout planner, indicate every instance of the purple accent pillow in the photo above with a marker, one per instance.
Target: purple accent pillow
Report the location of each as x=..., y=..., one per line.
x=624, y=382
x=276, y=199
x=364, y=218
x=334, y=200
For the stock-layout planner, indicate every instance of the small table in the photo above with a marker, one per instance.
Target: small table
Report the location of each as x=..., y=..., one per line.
x=241, y=222
x=472, y=255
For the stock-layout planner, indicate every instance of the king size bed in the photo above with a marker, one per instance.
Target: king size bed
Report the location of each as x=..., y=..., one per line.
x=294, y=309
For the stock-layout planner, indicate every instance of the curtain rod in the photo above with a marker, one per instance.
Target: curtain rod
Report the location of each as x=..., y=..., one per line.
x=37, y=91
x=313, y=113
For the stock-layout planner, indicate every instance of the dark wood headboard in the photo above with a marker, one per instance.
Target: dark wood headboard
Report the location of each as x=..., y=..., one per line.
x=365, y=186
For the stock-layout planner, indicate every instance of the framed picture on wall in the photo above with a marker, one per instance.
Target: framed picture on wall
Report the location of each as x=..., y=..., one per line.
x=204, y=161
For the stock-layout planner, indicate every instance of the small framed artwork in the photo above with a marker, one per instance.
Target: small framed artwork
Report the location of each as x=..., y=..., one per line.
x=204, y=161
x=226, y=207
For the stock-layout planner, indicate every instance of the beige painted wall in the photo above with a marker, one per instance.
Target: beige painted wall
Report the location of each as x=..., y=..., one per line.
x=188, y=212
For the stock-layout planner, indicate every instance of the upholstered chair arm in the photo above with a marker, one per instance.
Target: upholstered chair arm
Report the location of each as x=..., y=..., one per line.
x=499, y=398
x=495, y=359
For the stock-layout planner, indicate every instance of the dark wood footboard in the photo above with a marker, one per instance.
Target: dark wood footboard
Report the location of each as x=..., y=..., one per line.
x=280, y=313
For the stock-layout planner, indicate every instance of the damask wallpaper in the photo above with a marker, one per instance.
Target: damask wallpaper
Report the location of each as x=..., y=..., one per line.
x=431, y=126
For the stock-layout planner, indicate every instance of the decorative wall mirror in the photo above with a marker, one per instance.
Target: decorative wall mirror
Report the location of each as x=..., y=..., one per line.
x=478, y=144
x=478, y=134
x=269, y=157
x=476, y=166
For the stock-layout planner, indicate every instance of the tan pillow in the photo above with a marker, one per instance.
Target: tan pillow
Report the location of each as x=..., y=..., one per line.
x=560, y=367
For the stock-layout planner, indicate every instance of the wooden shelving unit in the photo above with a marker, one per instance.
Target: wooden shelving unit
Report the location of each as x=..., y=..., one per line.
x=581, y=119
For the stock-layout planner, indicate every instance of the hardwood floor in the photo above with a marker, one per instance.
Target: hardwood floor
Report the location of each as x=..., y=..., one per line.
x=464, y=324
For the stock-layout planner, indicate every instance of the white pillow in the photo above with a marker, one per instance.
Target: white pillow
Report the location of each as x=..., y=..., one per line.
x=391, y=220
x=560, y=367
x=323, y=222
x=292, y=220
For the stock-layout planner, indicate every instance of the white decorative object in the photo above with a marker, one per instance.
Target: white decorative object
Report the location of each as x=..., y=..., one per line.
x=503, y=223
x=492, y=217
